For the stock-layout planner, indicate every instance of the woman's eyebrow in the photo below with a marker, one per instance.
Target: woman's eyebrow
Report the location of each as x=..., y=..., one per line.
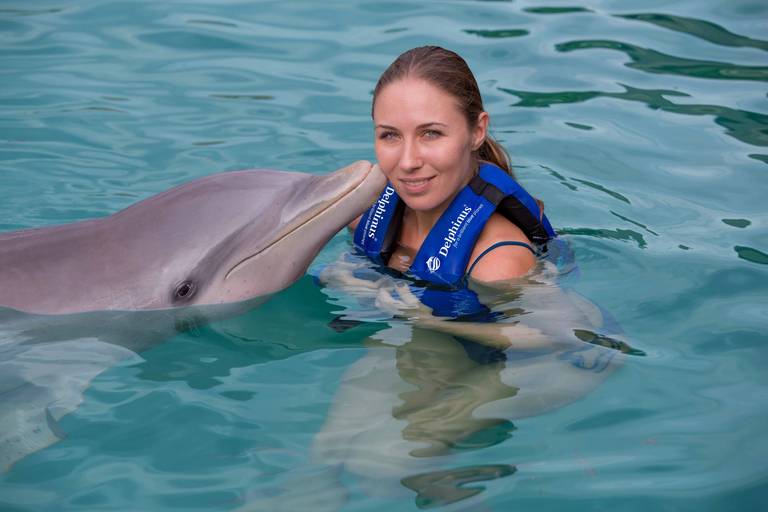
x=420, y=127
x=427, y=125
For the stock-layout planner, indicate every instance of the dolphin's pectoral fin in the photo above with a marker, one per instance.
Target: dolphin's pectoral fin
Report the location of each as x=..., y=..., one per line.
x=54, y=425
x=442, y=487
x=607, y=342
x=25, y=430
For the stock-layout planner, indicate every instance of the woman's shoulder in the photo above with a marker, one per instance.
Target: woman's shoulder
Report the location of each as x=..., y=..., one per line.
x=505, y=261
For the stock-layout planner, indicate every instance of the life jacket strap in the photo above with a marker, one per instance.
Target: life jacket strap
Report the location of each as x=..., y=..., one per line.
x=489, y=191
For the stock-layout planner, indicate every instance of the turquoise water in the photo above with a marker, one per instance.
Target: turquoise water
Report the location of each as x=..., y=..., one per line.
x=642, y=125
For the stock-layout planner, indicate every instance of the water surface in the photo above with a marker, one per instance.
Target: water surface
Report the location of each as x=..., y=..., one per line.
x=642, y=126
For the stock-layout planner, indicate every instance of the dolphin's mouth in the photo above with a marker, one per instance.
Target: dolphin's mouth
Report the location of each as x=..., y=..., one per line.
x=302, y=218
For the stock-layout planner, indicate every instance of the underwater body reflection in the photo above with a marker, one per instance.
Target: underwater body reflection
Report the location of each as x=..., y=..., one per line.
x=418, y=398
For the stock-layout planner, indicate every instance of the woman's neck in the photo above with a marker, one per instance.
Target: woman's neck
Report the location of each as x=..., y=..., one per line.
x=418, y=224
x=414, y=229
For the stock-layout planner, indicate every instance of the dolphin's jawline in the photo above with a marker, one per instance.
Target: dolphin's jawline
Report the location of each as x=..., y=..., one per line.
x=300, y=224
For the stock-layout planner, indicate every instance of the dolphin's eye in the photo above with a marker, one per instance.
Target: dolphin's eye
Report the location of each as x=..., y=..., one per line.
x=184, y=290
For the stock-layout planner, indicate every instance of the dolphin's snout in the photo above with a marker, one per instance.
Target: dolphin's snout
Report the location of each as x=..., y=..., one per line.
x=318, y=210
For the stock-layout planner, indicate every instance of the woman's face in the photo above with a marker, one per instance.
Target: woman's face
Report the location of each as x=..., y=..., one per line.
x=423, y=143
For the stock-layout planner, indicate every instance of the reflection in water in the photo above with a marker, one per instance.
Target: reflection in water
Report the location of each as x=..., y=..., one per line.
x=442, y=487
x=626, y=235
x=408, y=410
x=705, y=30
x=556, y=10
x=48, y=361
x=750, y=254
x=496, y=34
x=601, y=188
x=449, y=387
x=743, y=125
x=652, y=61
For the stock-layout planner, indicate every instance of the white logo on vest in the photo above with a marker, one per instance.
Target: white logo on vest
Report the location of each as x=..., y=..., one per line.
x=453, y=229
x=433, y=263
x=380, y=205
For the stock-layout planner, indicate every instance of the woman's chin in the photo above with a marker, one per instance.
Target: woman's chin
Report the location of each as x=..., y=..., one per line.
x=422, y=204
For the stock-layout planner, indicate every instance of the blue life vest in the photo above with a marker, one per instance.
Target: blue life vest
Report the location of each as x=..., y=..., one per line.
x=441, y=262
x=445, y=253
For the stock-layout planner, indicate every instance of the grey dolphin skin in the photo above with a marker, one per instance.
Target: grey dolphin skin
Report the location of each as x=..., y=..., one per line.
x=222, y=238
x=78, y=298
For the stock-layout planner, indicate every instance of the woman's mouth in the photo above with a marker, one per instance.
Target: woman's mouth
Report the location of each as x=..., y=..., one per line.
x=416, y=186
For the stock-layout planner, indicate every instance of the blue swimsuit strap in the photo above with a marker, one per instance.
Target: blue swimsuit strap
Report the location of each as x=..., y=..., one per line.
x=521, y=244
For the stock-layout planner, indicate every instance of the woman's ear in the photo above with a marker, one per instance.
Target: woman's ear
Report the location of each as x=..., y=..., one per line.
x=480, y=130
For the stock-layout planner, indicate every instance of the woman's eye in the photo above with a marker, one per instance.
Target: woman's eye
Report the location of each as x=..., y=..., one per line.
x=388, y=135
x=432, y=133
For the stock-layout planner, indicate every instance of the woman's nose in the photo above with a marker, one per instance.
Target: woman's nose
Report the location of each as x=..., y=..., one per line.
x=410, y=158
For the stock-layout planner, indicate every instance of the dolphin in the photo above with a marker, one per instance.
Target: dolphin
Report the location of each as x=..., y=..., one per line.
x=222, y=238
x=77, y=298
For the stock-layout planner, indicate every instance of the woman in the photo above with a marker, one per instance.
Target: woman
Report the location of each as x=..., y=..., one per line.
x=452, y=210
x=431, y=137
x=418, y=399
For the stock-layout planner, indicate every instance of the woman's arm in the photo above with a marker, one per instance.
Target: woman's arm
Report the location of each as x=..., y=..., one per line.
x=498, y=335
x=564, y=325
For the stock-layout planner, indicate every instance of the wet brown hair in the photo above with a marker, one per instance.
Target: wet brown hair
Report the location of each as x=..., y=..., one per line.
x=450, y=73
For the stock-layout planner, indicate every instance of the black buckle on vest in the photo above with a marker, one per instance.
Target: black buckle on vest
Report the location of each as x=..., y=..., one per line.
x=482, y=188
x=512, y=208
